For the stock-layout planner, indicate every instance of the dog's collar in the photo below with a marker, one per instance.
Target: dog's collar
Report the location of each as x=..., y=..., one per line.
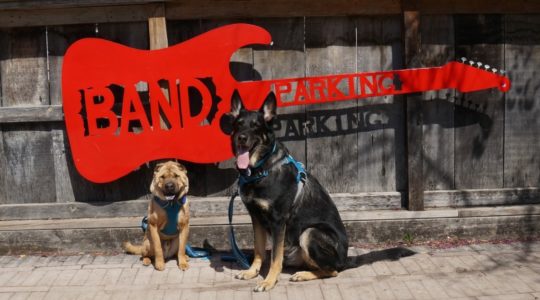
x=255, y=174
x=178, y=202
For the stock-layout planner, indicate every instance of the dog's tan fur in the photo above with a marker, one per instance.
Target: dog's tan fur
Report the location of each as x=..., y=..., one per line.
x=155, y=243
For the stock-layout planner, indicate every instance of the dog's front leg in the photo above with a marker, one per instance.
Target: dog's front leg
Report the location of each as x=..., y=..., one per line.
x=184, y=233
x=278, y=242
x=259, y=249
x=155, y=243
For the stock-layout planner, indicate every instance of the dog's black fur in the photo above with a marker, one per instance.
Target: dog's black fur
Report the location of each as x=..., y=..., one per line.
x=302, y=220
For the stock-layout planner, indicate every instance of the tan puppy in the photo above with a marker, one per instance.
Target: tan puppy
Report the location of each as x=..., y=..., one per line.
x=168, y=218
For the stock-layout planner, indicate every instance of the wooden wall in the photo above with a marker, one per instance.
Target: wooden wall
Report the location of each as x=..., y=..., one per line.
x=484, y=140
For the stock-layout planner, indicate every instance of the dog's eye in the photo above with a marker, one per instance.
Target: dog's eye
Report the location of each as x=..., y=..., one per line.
x=176, y=176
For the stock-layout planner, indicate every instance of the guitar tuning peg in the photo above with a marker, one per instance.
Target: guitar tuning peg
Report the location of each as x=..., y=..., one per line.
x=479, y=64
x=471, y=62
x=487, y=67
x=494, y=70
x=463, y=59
x=502, y=72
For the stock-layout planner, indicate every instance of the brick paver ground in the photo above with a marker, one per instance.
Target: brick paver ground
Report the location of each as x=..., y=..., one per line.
x=485, y=271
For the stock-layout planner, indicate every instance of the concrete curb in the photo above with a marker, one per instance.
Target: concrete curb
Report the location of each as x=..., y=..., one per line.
x=107, y=234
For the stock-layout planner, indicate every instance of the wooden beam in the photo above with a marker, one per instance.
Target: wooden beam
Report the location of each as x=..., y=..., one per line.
x=50, y=113
x=46, y=4
x=188, y=9
x=75, y=15
x=472, y=7
x=414, y=122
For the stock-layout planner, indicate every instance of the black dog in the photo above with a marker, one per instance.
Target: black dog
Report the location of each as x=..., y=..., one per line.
x=286, y=202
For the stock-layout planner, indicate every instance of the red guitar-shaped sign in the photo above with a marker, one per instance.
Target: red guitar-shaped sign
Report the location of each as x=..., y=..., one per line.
x=113, y=127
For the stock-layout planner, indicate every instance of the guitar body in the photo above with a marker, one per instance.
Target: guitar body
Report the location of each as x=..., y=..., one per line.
x=103, y=147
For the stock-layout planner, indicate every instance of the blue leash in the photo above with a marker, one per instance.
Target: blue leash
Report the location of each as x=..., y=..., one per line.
x=190, y=251
x=238, y=256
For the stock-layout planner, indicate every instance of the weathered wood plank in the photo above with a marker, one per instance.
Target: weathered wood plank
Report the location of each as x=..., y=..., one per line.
x=285, y=59
x=62, y=180
x=48, y=113
x=59, y=39
x=3, y=168
x=132, y=34
x=414, y=117
x=379, y=119
x=522, y=111
x=479, y=118
x=75, y=15
x=332, y=156
x=13, y=4
x=186, y=9
x=472, y=7
x=29, y=162
x=485, y=197
x=23, y=67
x=438, y=132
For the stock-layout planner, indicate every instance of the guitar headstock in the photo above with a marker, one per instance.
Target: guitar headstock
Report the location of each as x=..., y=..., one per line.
x=470, y=76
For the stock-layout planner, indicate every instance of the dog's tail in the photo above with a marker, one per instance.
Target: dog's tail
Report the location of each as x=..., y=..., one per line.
x=375, y=256
x=132, y=249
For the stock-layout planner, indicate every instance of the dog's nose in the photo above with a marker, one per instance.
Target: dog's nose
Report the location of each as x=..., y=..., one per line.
x=242, y=139
x=169, y=186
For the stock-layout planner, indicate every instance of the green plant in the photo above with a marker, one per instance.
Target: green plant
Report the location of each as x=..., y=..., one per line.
x=408, y=238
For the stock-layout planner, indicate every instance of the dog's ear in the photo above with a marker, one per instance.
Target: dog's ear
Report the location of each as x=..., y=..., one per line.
x=269, y=107
x=236, y=104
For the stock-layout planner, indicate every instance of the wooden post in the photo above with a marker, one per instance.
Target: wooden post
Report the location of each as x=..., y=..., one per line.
x=157, y=32
x=157, y=29
x=414, y=121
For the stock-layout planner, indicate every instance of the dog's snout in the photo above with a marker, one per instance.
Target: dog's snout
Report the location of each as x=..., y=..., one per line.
x=169, y=186
x=242, y=139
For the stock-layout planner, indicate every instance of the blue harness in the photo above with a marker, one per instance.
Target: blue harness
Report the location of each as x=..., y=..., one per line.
x=250, y=177
x=172, y=208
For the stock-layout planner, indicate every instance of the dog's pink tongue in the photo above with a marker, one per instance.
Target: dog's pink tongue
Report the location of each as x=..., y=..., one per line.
x=242, y=160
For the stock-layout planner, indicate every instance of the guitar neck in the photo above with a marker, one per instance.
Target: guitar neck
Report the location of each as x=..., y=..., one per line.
x=322, y=89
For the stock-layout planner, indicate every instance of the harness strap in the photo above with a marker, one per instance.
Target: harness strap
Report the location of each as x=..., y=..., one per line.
x=300, y=170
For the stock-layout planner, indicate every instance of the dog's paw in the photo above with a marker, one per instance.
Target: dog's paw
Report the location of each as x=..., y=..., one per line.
x=264, y=286
x=183, y=265
x=146, y=261
x=160, y=266
x=247, y=274
x=302, y=276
